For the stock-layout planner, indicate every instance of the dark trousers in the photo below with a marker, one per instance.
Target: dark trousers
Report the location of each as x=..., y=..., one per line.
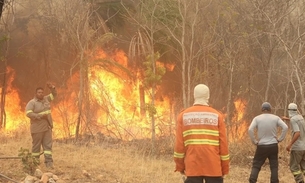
x=200, y=179
x=43, y=139
x=261, y=154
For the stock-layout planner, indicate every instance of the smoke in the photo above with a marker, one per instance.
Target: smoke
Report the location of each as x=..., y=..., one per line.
x=39, y=50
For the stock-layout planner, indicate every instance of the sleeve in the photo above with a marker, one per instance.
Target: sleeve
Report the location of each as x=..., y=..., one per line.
x=52, y=95
x=179, y=151
x=294, y=126
x=252, y=126
x=284, y=127
x=223, y=146
x=29, y=110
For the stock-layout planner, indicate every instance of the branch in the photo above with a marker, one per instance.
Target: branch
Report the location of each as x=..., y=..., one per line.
x=1, y=175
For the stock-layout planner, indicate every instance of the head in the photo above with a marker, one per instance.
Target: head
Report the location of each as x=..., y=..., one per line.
x=201, y=94
x=266, y=107
x=292, y=109
x=39, y=93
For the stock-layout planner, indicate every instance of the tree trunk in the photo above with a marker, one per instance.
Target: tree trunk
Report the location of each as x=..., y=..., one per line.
x=2, y=101
x=142, y=100
x=1, y=7
x=81, y=94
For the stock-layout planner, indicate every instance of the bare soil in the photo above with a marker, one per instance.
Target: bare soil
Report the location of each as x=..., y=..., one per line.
x=114, y=161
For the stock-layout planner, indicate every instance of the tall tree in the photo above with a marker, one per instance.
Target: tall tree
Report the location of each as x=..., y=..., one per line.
x=143, y=51
x=6, y=24
x=1, y=7
x=76, y=26
x=182, y=20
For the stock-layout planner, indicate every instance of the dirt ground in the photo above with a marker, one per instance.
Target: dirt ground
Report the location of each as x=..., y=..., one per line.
x=109, y=162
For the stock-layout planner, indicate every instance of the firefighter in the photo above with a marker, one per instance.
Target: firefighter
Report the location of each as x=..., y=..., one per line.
x=266, y=142
x=39, y=111
x=296, y=147
x=201, y=148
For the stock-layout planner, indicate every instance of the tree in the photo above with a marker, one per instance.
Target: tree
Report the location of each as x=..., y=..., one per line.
x=182, y=20
x=144, y=53
x=1, y=7
x=6, y=27
x=76, y=26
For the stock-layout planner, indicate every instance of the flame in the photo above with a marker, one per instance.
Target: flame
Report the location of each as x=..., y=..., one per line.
x=14, y=115
x=114, y=109
x=239, y=126
x=168, y=66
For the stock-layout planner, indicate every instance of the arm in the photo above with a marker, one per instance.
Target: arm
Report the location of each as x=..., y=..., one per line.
x=29, y=110
x=53, y=93
x=224, y=147
x=295, y=137
x=296, y=134
x=284, y=127
x=252, y=126
x=179, y=151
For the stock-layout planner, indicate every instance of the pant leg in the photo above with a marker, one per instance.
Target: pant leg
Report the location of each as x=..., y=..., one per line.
x=36, y=144
x=294, y=164
x=259, y=159
x=198, y=179
x=274, y=164
x=302, y=163
x=213, y=179
x=47, y=146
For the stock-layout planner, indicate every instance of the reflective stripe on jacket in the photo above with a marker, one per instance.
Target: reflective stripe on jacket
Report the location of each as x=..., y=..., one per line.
x=35, y=109
x=201, y=147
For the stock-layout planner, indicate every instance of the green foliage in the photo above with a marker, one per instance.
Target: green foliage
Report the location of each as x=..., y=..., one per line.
x=4, y=38
x=151, y=109
x=29, y=162
x=153, y=73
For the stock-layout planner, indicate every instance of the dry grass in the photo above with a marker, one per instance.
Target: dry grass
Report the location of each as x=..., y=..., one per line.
x=119, y=162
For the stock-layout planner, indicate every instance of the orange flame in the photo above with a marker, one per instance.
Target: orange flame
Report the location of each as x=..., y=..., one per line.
x=14, y=115
x=114, y=109
x=239, y=126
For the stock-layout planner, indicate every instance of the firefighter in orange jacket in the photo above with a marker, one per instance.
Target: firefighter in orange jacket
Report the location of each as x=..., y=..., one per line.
x=201, y=147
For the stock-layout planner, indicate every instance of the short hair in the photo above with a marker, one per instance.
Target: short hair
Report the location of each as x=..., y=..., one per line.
x=39, y=88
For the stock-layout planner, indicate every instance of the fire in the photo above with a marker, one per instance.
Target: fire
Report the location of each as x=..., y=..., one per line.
x=239, y=126
x=114, y=104
x=14, y=115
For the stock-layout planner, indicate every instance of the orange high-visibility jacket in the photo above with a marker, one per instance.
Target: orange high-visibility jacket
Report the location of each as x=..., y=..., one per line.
x=201, y=147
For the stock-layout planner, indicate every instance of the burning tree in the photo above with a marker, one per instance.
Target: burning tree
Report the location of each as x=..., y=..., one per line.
x=76, y=26
x=144, y=52
x=6, y=29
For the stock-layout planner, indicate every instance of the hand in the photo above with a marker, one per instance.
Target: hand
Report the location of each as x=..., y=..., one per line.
x=285, y=118
x=288, y=148
x=42, y=116
x=50, y=85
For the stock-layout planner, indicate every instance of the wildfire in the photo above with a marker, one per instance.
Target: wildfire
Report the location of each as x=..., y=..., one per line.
x=114, y=104
x=14, y=115
x=239, y=126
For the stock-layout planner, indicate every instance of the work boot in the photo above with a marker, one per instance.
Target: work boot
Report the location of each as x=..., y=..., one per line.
x=49, y=165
